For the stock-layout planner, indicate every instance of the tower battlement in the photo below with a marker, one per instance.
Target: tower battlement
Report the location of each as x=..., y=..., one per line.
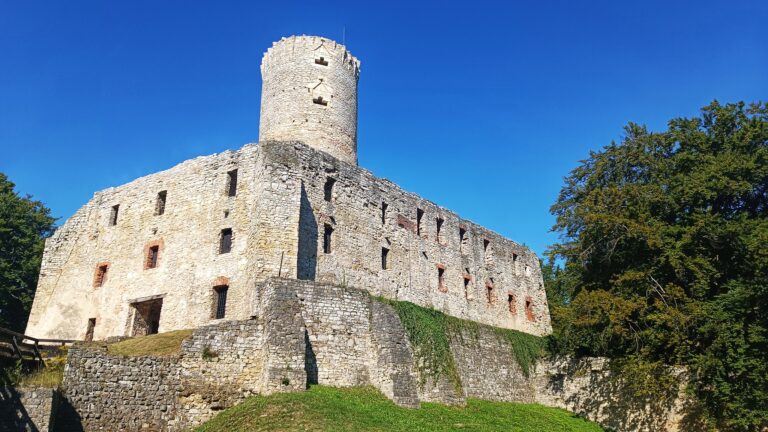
x=309, y=94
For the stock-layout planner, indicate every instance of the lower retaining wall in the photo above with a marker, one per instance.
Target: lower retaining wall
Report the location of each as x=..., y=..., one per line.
x=27, y=408
x=304, y=333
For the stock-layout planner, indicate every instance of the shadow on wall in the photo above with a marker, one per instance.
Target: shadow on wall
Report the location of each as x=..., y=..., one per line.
x=306, y=263
x=605, y=397
x=13, y=416
x=310, y=361
x=67, y=419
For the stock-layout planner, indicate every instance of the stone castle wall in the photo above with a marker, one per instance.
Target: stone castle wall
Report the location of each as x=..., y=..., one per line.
x=340, y=337
x=197, y=208
x=28, y=408
x=278, y=217
x=309, y=94
x=368, y=214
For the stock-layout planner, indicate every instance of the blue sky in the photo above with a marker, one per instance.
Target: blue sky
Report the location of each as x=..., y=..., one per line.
x=482, y=107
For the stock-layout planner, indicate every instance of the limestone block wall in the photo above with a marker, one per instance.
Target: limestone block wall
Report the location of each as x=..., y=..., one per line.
x=197, y=207
x=28, y=408
x=367, y=215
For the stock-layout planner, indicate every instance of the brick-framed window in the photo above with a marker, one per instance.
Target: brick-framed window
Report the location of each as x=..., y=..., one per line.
x=220, y=301
x=529, y=309
x=467, y=278
x=225, y=241
x=490, y=295
x=100, y=275
x=152, y=252
x=511, y=303
x=441, y=286
x=160, y=203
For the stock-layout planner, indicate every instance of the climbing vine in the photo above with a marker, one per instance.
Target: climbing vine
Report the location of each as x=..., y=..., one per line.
x=429, y=332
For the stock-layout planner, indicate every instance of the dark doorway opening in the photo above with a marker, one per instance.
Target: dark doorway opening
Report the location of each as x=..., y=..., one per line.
x=146, y=317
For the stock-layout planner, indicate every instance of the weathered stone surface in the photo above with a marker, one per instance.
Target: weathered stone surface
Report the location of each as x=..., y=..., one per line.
x=27, y=408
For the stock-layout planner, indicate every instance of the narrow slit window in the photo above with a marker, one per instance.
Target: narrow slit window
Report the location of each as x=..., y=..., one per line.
x=220, y=307
x=89, y=331
x=511, y=305
x=384, y=258
x=514, y=263
x=320, y=101
x=232, y=183
x=328, y=189
x=441, y=279
x=486, y=243
x=438, y=227
x=113, y=215
x=384, y=212
x=160, y=203
x=225, y=241
x=467, y=280
x=419, y=216
x=489, y=292
x=153, y=254
x=462, y=240
x=321, y=61
x=327, y=237
x=101, y=275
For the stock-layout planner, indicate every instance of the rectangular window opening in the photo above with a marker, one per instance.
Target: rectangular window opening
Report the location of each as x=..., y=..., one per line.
x=113, y=215
x=529, y=310
x=486, y=243
x=467, y=280
x=101, y=275
x=90, y=329
x=220, y=309
x=232, y=183
x=511, y=304
x=489, y=293
x=321, y=61
x=438, y=227
x=441, y=279
x=160, y=203
x=384, y=258
x=327, y=237
x=462, y=240
x=384, y=212
x=225, y=241
x=152, y=256
x=419, y=216
x=328, y=189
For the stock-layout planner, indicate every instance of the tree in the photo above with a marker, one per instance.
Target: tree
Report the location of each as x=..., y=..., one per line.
x=664, y=240
x=24, y=226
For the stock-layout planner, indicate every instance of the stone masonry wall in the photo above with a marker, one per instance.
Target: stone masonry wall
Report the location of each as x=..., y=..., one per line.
x=27, y=409
x=367, y=215
x=278, y=218
x=306, y=332
x=197, y=208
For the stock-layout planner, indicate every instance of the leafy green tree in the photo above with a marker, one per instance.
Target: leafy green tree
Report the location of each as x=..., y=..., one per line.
x=664, y=244
x=24, y=226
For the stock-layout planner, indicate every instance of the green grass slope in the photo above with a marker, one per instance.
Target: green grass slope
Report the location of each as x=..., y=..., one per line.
x=365, y=409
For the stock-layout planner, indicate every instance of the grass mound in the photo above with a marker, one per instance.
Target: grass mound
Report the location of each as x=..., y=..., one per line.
x=160, y=344
x=365, y=409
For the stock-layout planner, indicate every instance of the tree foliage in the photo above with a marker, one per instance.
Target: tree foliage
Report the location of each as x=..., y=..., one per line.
x=24, y=225
x=664, y=245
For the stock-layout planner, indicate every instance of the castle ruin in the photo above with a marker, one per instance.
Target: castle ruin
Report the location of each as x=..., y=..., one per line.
x=190, y=246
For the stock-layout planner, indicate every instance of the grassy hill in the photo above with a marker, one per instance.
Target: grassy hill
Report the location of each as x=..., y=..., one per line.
x=365, y=409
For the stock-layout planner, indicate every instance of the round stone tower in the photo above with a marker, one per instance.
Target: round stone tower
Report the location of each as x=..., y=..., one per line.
x=309, y=94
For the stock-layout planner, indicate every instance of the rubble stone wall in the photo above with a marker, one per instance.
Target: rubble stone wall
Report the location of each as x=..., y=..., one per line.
x=28, y=408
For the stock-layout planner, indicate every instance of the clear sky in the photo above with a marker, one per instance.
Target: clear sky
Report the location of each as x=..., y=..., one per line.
x=482, y=107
